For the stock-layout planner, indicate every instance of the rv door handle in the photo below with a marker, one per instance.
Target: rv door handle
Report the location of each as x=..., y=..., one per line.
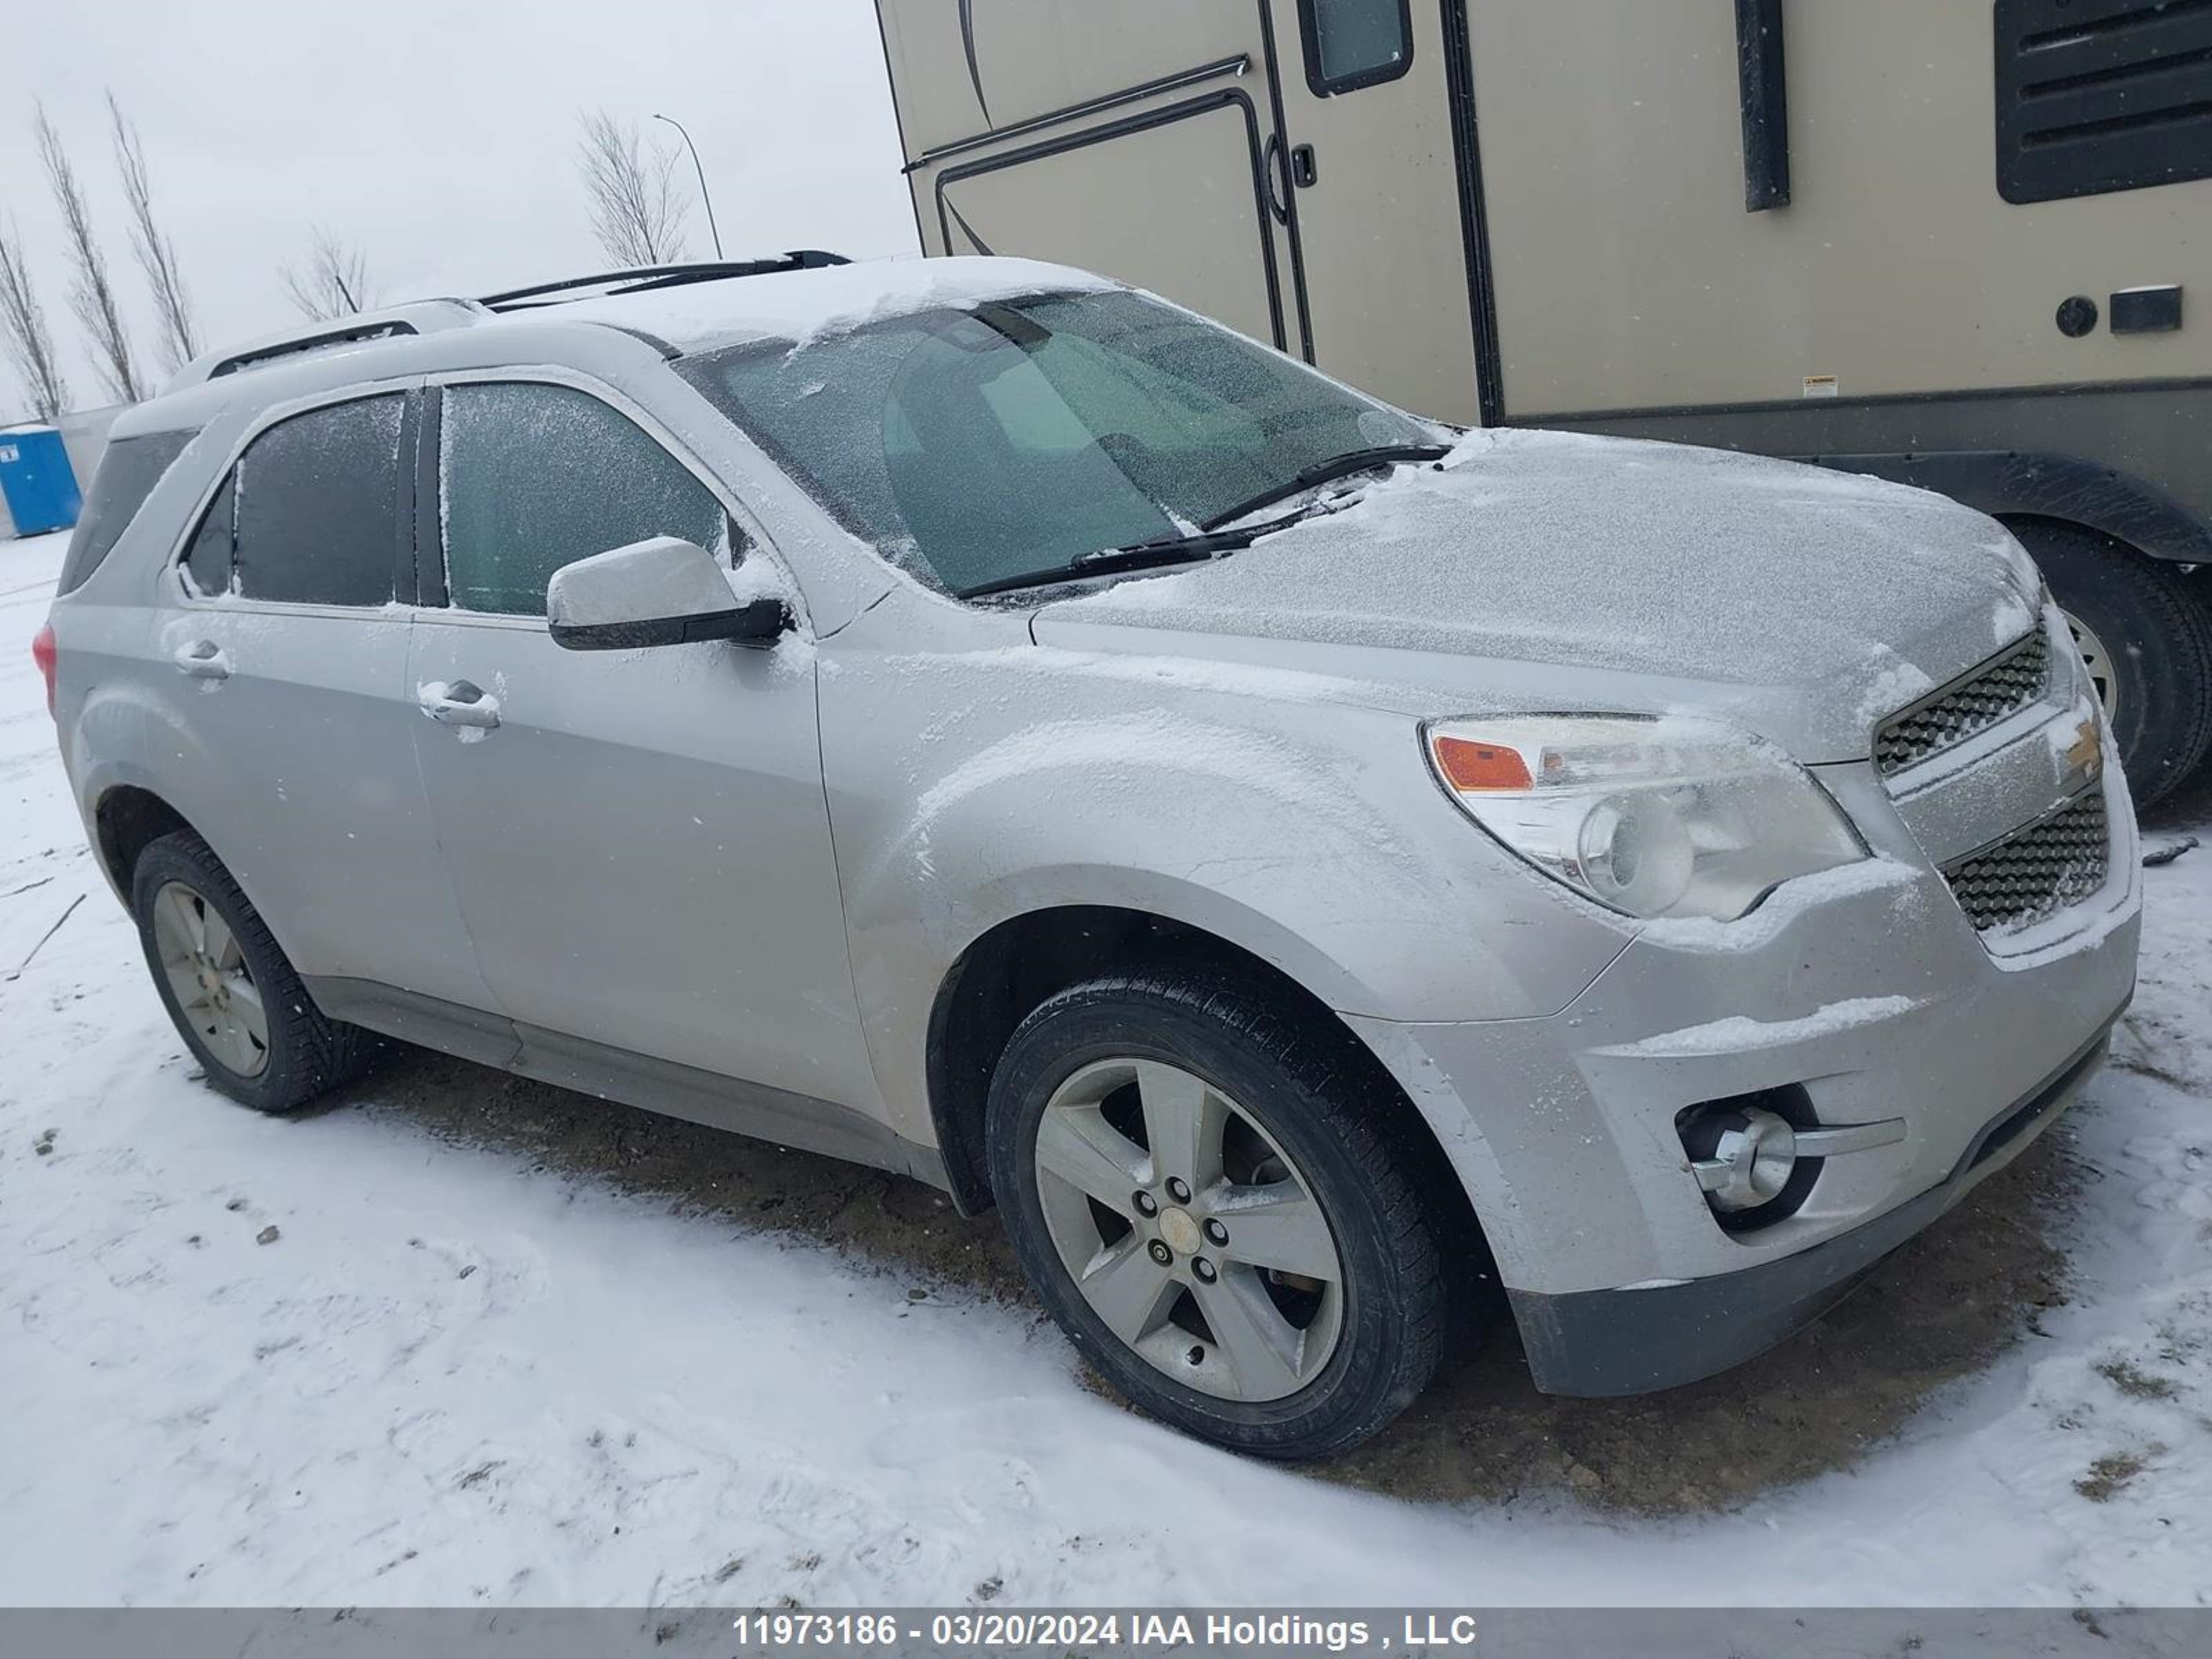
x=461, y=703
x=1271, y=161
x=204, y=659
x=1305, y=169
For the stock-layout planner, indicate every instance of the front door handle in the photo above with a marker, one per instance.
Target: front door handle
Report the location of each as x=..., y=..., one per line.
x=204, y=659
x=461, y=702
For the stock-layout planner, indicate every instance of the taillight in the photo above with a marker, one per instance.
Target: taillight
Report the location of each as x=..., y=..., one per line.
x=44, y=653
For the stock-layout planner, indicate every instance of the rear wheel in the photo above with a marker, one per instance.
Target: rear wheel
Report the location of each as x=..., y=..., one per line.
x=1209, y=1202
x=236, y=1000
x=2147, y=640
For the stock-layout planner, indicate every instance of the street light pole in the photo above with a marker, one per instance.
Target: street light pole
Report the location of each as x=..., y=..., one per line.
x=712, y=228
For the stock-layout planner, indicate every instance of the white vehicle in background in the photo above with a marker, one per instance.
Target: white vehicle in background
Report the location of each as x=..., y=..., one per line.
x=1946, y=244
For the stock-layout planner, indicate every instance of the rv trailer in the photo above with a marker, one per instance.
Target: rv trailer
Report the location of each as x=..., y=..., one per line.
x=1948, y=242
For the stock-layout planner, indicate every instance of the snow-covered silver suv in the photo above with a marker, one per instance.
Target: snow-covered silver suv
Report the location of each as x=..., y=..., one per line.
x=979, y=720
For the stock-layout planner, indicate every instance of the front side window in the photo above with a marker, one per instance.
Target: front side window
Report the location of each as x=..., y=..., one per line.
x=1351, y=44
x=535, y=477
x=316, y=506
x=975, y=447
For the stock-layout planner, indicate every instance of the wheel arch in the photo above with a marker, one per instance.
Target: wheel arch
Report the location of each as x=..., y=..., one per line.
x=2040, y=484
x=1017, y=964
x=126, y=818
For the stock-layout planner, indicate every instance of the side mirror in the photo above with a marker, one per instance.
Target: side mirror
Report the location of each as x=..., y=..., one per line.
x=662, y=590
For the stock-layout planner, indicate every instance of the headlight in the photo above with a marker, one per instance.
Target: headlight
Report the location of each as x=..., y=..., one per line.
x=1650, y=817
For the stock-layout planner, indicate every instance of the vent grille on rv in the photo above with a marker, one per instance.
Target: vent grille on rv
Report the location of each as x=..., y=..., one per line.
x=2098, y=96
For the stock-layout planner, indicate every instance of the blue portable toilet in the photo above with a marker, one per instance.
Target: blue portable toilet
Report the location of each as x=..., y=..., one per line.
x=36, y=478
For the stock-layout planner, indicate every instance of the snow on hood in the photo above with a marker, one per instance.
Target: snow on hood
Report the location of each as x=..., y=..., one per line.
x=1814, y=601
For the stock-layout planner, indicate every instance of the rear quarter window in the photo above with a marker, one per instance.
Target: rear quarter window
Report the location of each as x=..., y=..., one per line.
x=214, y=545
x=129, y=468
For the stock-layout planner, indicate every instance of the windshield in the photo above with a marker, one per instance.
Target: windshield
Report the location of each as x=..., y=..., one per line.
x=979, y=446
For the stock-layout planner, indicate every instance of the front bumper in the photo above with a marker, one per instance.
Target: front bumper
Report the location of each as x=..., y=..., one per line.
x=1867, y=989
x=1598, y=1343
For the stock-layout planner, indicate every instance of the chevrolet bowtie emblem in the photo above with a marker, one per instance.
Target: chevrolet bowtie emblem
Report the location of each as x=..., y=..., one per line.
x=2085, y=754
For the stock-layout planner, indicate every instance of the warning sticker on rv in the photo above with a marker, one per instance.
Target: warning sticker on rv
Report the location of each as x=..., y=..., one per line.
x=1819, y=386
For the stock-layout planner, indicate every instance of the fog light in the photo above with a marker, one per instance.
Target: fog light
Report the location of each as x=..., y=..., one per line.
x=1743, y=1158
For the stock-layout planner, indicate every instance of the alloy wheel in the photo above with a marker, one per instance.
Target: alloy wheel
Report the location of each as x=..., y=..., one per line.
x=206, y=974
x=2098, y=660
x=1188, y=1231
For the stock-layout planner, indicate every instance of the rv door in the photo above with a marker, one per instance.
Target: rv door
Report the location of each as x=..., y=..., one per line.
x=1374, y=196
x=1167, y=191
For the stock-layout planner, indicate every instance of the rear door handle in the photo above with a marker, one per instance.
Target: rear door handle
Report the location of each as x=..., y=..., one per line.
x=204, y=659
x=461, y=702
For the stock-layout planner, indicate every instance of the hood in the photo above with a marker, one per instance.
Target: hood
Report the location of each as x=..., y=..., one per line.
x=1545, y=570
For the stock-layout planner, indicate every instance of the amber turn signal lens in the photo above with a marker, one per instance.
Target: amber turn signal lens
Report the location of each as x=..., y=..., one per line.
x=1471, y=766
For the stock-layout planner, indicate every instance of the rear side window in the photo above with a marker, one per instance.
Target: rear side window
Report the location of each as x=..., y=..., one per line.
x=1355, y=43
x=536, y=476
x=128, y=470
x=316, y=501
x=212, y=554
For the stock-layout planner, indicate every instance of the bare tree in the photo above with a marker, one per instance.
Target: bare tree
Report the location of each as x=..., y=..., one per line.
x=157, y=254
x=637, y=211
x=23, y=323
x=334, y=281
x=92, y=296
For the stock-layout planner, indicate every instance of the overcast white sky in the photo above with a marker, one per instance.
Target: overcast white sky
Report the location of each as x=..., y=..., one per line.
x=438, y=134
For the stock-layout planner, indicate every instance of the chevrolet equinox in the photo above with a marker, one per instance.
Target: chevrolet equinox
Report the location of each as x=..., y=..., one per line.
x=1295, y=860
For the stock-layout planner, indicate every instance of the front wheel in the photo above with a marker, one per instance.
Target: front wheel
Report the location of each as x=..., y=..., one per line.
x=2146, y=640
x=1209, y=1201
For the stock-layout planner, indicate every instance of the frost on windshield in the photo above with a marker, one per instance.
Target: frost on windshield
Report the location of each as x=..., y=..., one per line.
x=1016, y=438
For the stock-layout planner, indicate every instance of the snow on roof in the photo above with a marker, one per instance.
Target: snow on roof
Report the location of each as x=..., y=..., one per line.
x=804, y=305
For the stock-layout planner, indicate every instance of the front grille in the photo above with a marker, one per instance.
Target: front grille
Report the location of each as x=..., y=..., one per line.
x=2008, y=682
x=2036, y=872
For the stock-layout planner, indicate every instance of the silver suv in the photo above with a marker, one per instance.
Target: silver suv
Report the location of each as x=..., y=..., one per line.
x=1297, y=862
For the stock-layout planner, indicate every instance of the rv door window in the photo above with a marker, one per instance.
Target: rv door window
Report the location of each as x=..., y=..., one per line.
x=1350, y=43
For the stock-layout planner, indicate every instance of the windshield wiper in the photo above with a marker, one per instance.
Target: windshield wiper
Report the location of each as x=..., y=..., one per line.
x=1211, y=537
x=1137, y=555
x=1328, y=471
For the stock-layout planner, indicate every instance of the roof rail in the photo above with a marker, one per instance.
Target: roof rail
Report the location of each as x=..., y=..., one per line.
x=435, y=316
x=419, y=317
x=643, y=279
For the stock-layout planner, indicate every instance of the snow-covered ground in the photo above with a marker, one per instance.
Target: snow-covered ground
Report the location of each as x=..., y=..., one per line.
x=453, y=1374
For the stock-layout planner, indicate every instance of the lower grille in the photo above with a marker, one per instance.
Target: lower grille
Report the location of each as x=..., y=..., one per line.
x=2036, y=872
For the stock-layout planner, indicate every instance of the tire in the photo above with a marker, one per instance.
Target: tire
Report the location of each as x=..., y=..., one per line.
x=1299, y=1115
x=177, y=884
x=2154, y=637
